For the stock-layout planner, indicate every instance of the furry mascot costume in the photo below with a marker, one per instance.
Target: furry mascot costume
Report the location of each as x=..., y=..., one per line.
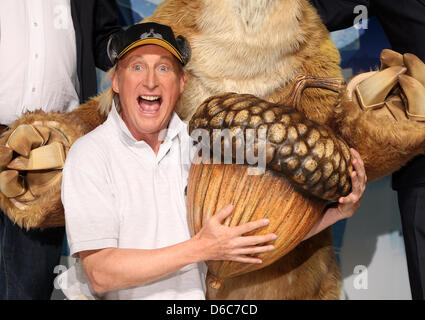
x=272, y=49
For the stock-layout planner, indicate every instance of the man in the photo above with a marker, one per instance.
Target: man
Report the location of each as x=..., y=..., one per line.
x=404, y=25
x=123, y=184
x=49, y=50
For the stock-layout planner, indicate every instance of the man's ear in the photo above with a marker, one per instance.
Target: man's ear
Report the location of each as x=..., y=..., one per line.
x=182, y=81
x=114, y=81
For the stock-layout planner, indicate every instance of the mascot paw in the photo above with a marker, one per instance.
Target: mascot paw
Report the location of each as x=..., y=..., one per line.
x=382, y=113
x=31, y=159
x=398, y=88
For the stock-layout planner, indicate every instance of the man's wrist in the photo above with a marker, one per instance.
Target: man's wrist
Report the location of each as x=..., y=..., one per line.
x=197, y=249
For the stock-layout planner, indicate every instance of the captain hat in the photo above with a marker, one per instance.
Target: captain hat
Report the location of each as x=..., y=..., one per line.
x=148, y=33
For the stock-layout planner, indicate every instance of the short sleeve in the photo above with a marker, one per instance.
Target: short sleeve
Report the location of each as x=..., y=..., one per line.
x=91, y=216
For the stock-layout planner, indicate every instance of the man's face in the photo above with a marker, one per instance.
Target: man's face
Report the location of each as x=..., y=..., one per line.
x=149, y=82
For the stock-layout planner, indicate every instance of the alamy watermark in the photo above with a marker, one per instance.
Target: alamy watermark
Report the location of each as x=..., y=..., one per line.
x=361, y=20
x=61, y=17
x=226, y=146
x=360, y=281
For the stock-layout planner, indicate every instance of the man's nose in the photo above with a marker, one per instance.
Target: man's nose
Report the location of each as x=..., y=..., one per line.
x=151, y=80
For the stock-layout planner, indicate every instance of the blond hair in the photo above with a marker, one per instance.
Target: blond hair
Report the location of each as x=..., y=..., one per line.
x=108, y=95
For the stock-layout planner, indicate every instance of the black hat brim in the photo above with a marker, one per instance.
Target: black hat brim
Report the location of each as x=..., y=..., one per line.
x=159, y=42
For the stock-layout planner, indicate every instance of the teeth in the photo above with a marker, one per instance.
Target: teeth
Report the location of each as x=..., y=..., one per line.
x=150, y=98
x=148, y=109
x=373, y=91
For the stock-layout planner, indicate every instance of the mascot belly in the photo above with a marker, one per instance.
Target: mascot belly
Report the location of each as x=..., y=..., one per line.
x=277, y=59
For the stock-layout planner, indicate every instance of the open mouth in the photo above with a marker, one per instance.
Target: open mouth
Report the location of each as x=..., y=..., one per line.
x=149, y=104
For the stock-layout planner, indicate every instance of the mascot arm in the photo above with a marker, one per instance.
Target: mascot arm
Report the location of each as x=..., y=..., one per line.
x=32, y=154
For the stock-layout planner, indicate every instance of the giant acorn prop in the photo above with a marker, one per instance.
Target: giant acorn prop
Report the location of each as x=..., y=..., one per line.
x=307, y=165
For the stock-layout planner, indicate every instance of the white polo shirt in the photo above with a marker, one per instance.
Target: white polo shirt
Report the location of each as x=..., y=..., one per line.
x=117, y=193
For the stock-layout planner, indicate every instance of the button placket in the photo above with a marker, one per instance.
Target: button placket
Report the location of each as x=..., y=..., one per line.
x=36, y=42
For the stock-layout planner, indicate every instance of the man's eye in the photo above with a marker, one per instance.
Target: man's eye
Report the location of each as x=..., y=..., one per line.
x=163, y=68
x=137, y=67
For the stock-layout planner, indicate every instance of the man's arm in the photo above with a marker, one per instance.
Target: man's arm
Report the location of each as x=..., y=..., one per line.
x=348, y=205
x=115, y=268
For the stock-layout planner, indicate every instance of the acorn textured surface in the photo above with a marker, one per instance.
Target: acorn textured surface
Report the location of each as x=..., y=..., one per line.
x=309, y=155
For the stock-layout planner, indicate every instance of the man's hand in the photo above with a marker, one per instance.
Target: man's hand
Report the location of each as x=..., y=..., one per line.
x=346, y=206
x=229, y=243
x=349, y=204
